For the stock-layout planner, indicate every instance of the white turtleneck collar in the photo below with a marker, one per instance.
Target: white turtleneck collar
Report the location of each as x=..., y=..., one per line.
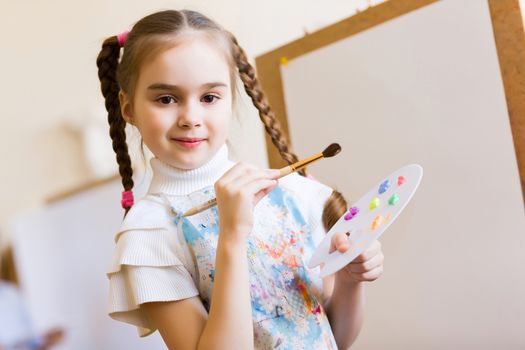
x=173, y=181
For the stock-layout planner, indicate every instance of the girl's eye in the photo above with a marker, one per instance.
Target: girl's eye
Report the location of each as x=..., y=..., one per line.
x=210, y=98
x=166, y=100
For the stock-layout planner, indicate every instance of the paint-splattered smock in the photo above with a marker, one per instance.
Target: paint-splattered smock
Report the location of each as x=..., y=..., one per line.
x=160, y=257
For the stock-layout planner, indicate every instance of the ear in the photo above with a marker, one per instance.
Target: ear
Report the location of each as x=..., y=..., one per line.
x=125, y=107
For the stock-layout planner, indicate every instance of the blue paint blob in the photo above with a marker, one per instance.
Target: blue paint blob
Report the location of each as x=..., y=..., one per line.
x=384, y=186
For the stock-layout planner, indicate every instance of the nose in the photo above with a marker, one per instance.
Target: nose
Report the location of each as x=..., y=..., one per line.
x=190, y=116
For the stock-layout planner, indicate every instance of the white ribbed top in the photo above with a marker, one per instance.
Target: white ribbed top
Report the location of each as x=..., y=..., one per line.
x=173, y=181
x=146, y=265
x=150, y=262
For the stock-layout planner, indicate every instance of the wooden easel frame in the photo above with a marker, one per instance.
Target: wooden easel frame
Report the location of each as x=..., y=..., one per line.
x=510, y=44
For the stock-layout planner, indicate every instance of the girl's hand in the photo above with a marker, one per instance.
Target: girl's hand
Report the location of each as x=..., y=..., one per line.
x=238, y=191
x=367, y=266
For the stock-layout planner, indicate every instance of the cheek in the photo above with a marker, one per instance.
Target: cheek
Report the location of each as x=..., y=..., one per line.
x=153, y=127
x=220, y=115
x=222, y=122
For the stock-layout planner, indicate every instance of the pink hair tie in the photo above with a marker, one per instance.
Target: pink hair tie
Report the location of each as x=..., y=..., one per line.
x=122, y=37
x=127, y=199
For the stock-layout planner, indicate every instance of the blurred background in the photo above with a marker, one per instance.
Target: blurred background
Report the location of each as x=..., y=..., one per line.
x=53, y=120
x=55, y=144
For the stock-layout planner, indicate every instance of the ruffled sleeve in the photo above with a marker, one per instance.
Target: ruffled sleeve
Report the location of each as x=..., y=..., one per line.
x=147, y=266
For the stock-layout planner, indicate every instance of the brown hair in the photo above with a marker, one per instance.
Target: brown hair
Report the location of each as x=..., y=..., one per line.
x=158, y=31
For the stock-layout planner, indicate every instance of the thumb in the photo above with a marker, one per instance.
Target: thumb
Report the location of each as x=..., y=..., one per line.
x=339, y=242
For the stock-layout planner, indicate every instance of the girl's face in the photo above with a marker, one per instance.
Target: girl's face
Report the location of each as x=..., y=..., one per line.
x=183, y=103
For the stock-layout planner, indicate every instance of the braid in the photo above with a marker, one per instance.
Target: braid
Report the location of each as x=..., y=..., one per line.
x=336, y=205
x=254, y=90
x=107, y=63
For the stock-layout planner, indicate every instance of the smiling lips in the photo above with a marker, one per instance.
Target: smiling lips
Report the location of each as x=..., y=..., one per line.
x=188, y=142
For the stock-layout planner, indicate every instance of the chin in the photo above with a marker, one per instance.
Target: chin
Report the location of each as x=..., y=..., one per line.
x=190, y=160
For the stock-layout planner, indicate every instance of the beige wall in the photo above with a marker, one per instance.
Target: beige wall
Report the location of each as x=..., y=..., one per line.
x=447, y=112
x=50, y=91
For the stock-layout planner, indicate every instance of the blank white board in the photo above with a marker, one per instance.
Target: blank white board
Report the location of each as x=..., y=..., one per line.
x=424, y=88
x=62, y=253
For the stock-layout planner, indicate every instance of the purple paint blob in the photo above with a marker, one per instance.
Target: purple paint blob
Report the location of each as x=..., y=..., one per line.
x=351, y=213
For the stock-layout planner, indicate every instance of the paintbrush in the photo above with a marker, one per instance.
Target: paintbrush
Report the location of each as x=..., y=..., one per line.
x=329, y=151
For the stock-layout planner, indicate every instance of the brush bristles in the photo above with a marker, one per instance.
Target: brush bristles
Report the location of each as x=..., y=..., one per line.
x=331, y=150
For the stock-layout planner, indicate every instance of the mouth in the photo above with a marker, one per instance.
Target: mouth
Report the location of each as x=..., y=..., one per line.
x=188, y=142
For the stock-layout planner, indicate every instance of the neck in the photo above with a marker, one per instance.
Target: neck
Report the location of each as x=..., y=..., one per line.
x=173, y=181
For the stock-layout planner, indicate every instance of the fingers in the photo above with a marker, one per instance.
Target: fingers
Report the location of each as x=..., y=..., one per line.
x=373, y=250
x=239, y=176
x=258, y=188
x=366, y=267
x=250, y=177
x=246, y=183
x=237, y=193
x=339, y=242
x=233, y=172
x=368, y=276
x=263, y=192
x=242, y=173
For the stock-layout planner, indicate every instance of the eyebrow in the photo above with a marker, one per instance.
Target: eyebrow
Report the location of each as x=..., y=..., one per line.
x=162, y=86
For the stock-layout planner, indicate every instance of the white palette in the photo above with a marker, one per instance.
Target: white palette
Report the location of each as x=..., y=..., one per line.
x=371, y=220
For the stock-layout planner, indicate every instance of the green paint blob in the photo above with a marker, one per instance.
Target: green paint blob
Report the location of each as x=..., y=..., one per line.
x=393, y=200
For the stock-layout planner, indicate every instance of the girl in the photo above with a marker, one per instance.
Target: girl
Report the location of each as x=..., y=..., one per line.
x=176, y=82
